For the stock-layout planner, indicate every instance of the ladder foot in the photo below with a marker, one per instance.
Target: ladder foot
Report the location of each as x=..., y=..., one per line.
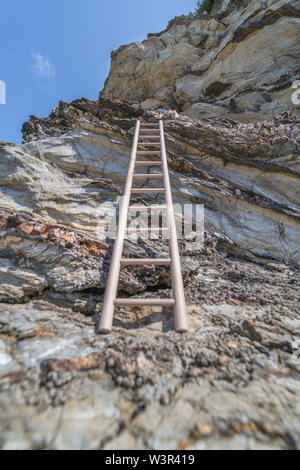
x=182, y=330
x=104, y=332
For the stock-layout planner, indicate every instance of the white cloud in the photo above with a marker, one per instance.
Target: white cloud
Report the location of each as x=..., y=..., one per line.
x=42, y=66
x=2, y=92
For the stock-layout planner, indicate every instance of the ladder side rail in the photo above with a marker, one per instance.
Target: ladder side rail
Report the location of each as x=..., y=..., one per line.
x=180, y=315
x=106, y=320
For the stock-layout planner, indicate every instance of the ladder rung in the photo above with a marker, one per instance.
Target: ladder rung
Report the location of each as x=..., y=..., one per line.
x=159, y=175
x=144, y=229
x=147, y=152
x=158, y=163
x=152, y=144
x=148, y=190
x=149, y=261
x=149, y=124
x=145, y=302
x=149, y=137
x=146, y=208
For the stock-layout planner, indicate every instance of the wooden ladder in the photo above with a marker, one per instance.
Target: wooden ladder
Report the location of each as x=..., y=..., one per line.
x=155, y=138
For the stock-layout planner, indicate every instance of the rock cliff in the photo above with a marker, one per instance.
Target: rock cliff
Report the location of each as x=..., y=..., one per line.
x=239, y=63
x=232, y=382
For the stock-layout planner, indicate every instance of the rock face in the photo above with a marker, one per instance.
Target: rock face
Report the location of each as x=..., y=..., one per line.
x=246, y=175
x=63, y=386
x=232, y=382
x=239, y=62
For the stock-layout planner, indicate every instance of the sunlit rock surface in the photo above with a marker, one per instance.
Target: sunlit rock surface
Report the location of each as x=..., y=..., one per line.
x=63, y=386
x=239, y=62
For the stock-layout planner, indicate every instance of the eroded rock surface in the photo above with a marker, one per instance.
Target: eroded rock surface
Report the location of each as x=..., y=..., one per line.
x=239, y=62
x=233, y=380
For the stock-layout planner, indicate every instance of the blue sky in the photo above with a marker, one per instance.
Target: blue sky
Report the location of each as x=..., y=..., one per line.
x=53, y=50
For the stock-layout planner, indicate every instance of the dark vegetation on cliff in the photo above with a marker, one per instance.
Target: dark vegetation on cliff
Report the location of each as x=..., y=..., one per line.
x=204, y=6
